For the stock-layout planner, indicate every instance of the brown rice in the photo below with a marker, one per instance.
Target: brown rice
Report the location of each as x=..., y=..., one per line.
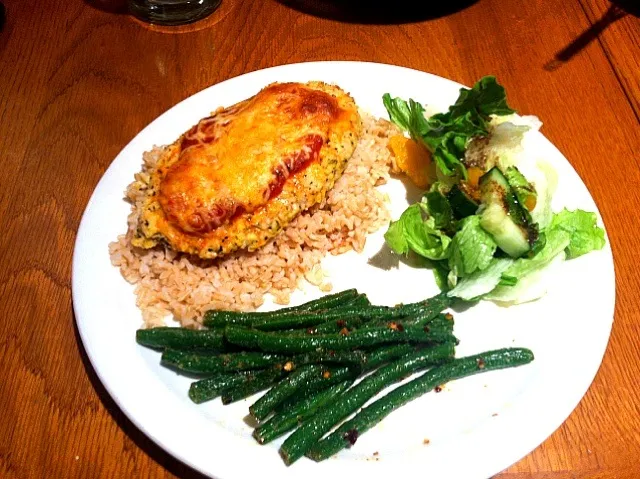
x=169, y=283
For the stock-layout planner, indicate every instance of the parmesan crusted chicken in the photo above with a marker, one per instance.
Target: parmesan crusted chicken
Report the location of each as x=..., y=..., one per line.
x=237, y=178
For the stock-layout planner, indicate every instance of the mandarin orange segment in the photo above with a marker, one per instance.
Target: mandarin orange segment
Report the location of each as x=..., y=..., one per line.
x=411, y=158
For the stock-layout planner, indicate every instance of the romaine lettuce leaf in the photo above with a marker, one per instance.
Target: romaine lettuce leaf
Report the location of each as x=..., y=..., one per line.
x=583, y=230
x=446, y=134
x=487, y=97
x=481, y=282
x=502, y=147
x=440, y=273
x=413, y=232
x=439, y=208
x=531, y=287
x=545, y=179
x=488, y=282
x=398, y=110
x=556, y=242
x=570, y=234
x=472, y=248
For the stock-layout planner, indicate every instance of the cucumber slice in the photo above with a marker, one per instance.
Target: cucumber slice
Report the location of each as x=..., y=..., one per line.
x=503, y=217
x=510, y=237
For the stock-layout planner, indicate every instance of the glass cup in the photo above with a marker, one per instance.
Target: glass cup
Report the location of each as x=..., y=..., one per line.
x=172, y=12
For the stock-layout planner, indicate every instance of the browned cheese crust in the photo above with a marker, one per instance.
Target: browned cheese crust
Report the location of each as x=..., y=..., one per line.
x=237, y=178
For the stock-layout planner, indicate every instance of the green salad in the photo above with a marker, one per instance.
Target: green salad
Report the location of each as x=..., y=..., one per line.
x=485, y=224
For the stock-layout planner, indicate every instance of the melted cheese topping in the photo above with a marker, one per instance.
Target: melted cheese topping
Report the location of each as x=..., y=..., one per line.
x=236, y=178
x=234, y=161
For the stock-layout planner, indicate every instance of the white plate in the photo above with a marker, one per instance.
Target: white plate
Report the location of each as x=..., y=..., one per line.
x=476, y=427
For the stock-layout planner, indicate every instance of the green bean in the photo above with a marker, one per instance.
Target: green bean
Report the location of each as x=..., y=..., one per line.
x=335, y=326
x=203, y=363
x=359, y=301
x=347, y=434
x=355, y=323
x=298, y=319
x=283, y=390
x=298, y=443
x=440, y=319
x=181, y=338
x=259, y=382
x=210, y=388
x=433, y=305
x=289, y=418
x=290, y=343
x=331, y=326
x=437, y=321
x=303, y=320
x=245, y=360
x=329, y=377
x=424, y=317
x=313, y=318
x=418, y=312
x=213, y=318
x=327, y=301
x=326, y=356
x=385, y=354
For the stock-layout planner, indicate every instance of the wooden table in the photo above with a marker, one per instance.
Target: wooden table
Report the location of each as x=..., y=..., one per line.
x=78, y=80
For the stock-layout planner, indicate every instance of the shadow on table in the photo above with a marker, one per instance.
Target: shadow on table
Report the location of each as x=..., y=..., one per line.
x=617, y=10
x=5, y=27
x=3, y=12
x=109, y=6
x=378, y=13
x=156, y=453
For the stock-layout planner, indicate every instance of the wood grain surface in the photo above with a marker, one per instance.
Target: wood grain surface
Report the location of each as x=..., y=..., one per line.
x=78, y=80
